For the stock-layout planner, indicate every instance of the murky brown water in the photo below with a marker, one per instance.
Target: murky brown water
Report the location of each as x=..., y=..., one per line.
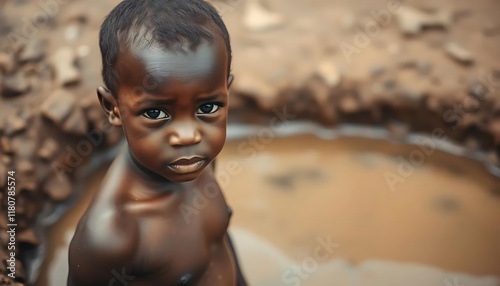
x=292, y=195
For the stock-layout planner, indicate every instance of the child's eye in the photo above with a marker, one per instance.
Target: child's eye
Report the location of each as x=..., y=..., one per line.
x=155, y=114
x=208, y=108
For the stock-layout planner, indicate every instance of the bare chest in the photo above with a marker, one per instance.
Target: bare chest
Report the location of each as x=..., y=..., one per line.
x=182, y=244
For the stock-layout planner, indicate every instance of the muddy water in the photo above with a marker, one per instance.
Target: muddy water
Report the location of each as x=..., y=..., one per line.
x=327, y=207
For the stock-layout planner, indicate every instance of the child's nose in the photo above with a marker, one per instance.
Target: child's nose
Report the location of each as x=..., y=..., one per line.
x=183, y=135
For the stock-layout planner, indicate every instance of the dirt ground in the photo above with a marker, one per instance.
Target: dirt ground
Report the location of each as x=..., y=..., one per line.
x=411, y=66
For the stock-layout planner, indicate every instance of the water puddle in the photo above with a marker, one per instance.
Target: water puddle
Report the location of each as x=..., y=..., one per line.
x=308, y=211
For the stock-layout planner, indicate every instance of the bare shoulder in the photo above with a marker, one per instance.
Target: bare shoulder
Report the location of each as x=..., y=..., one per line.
x=105, y=243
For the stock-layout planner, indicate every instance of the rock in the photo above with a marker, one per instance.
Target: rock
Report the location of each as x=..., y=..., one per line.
x=257, y=18
x=25, y=167
x=32, y=52
x=72, y=32
x=58, y=106
x=7, y=62
x=494, y=128
x=63, y=62
x=320, y=91
x=6, y=146
x=27, y=183
x=15, y=124
x=82, y=51
x=477, y=89
x=413, y=95
x=15, y=84
x=377, y=71
x=76, y=122
x=329, y=73
x=459, y=54
x=412, y=21
x=58, y=187
x=6, y=160
x=349, y=104
x=264, y=94
x=28, y=236
x=48, y=149
x=390, y=84
x=3, y=175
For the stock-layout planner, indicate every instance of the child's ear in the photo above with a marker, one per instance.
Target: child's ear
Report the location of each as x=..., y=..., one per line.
x=230, y=80
x=109, y=105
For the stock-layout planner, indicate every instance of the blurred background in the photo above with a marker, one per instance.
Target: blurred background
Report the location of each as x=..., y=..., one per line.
x=363, y=142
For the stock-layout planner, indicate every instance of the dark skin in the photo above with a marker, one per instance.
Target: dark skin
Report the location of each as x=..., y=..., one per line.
x=141, y=227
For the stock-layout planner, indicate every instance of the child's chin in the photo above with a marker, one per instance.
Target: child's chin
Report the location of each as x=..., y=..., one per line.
x=182, y=178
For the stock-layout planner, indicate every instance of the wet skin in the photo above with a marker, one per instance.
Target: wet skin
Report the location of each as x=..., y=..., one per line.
x=145, y=225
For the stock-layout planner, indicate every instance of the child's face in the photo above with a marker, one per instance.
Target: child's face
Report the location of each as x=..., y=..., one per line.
x=176, y=105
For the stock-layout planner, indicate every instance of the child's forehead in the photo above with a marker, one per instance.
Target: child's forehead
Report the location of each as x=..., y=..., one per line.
x=180, y=61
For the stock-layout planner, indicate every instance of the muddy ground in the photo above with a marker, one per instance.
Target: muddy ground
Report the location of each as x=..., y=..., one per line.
x=419, y=66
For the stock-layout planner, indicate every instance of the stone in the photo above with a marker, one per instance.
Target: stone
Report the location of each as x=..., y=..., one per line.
x=320, y=91
x=412, y=21
x=329, y=73
x=63, y=61
x=34, y=51
x=459, y=53
x=58, y=187
x=7, y=63
x=494, y=128
x=25, y=167
x=28, y=236
x=73, y=31
x=377, y=71
x=82, y=51
x=48, y=149
x=6, y=160
x=256, y=89
x=15, y=84
x=27, y=183
x=413, y=95
x=76, y=122
x=3, y=175
x=6, y=146
x=58, y=106
x=258, y=18
x=15, y=124
x=349, y=104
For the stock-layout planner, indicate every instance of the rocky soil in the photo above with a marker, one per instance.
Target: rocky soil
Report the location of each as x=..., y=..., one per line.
x=412, y=66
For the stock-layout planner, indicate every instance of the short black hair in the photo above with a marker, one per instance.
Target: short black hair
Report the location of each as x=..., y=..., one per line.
x=165, y=22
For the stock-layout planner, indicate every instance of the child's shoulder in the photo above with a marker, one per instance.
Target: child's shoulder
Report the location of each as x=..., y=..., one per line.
x=105, y=239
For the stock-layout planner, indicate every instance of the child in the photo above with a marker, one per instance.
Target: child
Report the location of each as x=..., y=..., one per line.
x=166, y=65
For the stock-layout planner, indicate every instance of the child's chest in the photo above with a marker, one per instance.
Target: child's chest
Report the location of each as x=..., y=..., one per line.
x=181, y=243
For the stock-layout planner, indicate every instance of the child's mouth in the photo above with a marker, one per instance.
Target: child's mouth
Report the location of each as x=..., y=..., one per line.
x=187, y=165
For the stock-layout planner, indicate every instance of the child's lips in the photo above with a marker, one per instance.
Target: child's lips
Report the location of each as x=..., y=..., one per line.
x=187, y=165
